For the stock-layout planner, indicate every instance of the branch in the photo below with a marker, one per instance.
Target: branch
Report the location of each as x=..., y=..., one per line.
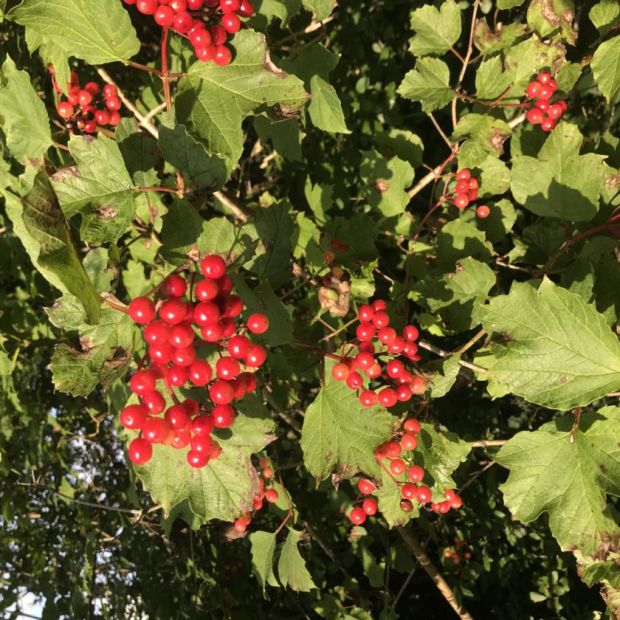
x=425, y=562
x=433, y=175
x=487, y=443
x=445, y=354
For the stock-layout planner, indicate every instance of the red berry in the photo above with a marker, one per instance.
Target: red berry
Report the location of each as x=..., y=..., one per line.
x=406, y=505
x=403, y=393
x=181, y=438
x=374, y=372
x=221, y=392
x=462, y=187
x=365, y=331
x=200, y=372
x=65, y=110
x=340, y=372
x=109, y=90
x=113, y=104
x=397, y=467
x=387, y=397
x=423, y=494
x=418, y=385
x=370, y=506
x=411, y=333
x=392, y=449
x=246, y=8
x=183, y=356
x=238, y=347
x=102, y=117
x=173, y=311
x=381, y=319
x=174, y=286
x=182, y=22
x=197, y=459
x=408, y=491
x=258, y=323
x=533, y=90
x=227, y=368
x=230, y=6
x=154, y=402
x=177, y=376
x=409, y=441
x=222, y=56
x=203, y=425
x=194, y=5
x=223, y=416
x=142, y=310
x=115, y=119
x=365, y=487
x=357, y=516
x=204, y=53
x=141, y=382
x=164, y=16
x=386, y=335
x=181, y=336
x=463, y=174
x=213, y=266
x=397, y=346
x=177, y=417
x=218, y=35
x=546, y=92
x=368, y=398
x=140, y=451
x=271, y=495
x=364, y=360
x=147, y=7
x=543, y=77
x=354, y=380
x=548, y=124
x=85, y=97
x=206, y=313
x=206, y=290
x=231, y=23
x=161, y=353
x=415, y=473
x=461, y=201
x=133, y=417
x=555, y=111
x=256, y=356
x=365, y=313
x=212, y=332
x=155, y=430
x=395, y=369
x=483, y=211
x=412, y=425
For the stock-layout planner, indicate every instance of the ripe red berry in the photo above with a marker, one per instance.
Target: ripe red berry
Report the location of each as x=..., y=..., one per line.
x=387, y=397
x=397, y=346
x=533, y=90
x=368, y=398
x=238, y=347
x=227, y=368
x=357, y=516
x=463, y=174
x=381, y=319
x=271, y=495
x=218, y=35
x=221, y=392
x=204, y=53
x=213, y=266
x=386, y=335
x=454, y=500
x=423, y=494
x=154, y=402
x=181, y=336
x=212, y=332
x=141, y=382
x=364, y=360
x=483, y=211
x=133, y=417
x=200, y=372
x=161, y=352
x=109, y=90
x=461, y=200
x=230, y=6
x=409, y=441
x=415, y=473
x=140, y=451
x=222, y=56
x=197, y=459
x=543, y=77
x=365, y=313
x=85, y=97
x=548, y=124
x=408, y=491
x=174, y=286
x=90, y=127
x=177, y=376
x=113, y=104
x=365, y=331
x=183, y=356
x=462, y=187
x=365, y=486
x=370, y=506
x=223, y=416
x=542, y=104
x=181, y=438
x=246, y=8
x=155, y=430
x=147, y=7
x=555, y=111
x=256, y=356
x=231, y=23
x=177, y=417
x=411, y=333
x=258, y=323
x=412, y=425
x=164, y=16
x=354, y=380
x=142, y=310
x=183, y=21
x=102, y=117
x=194, y=5
x=340, y=372
x=392, y=449
x=65, y=110
x=395, y=369
x=397, y=467
x=115, y=119
x=418, y=385
x=206, y=313
x=403, y=393
x=202, y=425
x=546, y=92
x=206, y=290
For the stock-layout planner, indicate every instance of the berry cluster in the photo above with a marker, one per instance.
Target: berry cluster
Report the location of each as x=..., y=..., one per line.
x=466, y=191
x=89, y=108
x=377, y=354
x=185, y=328
x=405, y=473
x=455, y=552
x=206, y=23
x=265, y=494
x=544, y=112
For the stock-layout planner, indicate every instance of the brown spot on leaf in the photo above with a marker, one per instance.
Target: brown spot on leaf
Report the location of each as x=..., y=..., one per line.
x=336, y=298
x=382, y=185
x=106, y=212
x=63, y=173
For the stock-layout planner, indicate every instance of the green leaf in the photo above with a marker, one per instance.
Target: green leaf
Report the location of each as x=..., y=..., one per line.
x=461, y=239
x=560, y=353
x=263, y=546
x=74, y=27
x=22, y=115
x=389, y=498
x=321, y=8
x=284, y=10
x=100, y=188
x=484, y=135
x=102, y=357
x=215, y=100
x=442, y=381
x=339, y=435
x=606, y=68
x=428, y=83
x=500, y=220
x=224, y=488
x=548, y=17
x=494, y=177
x=292, y=567
x=560, y=182
x=471, y=280
x=40, y=225
x=491, y=81
x=436, y=30
x=184, y=152
x=325, y=108
x=509, y=4
x=605, y=14
x=386, y=181
x=491, y=42
x=284, y=135
x=403, y=143
x=572, y=494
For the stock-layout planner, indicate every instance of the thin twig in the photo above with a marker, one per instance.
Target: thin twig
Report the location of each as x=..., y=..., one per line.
x=425, y=562
x=433, y=175
x=440, y=131
x=486, y=443
x=470, y=343
x=445, y=354
x=228, y=203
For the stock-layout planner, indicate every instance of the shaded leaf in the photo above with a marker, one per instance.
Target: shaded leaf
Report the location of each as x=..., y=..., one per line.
x=292, y=567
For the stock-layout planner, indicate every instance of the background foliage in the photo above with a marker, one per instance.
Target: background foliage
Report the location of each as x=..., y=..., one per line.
x=321, y=146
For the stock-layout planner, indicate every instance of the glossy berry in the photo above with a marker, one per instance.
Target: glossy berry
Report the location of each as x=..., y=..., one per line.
x=202, y=425
x=386, y=335
x=65, y=110
x=206, y=312
x=418, y=385
x=180, y=336
x=357, y=516
x=368, y=398
x=483, y=212
x=164, y=16
x=533, y=90
x=258, y=323
x=548, y=124
x=365, y=331
x=102, y=117
x=155, y=430
x=200, y=372
x=408, y=491
x=423, y=494
x=173, y=311
x=409, y=441
x=133, y=417
x=271, y=495
x=535, y=116
x=463, y=174
x=218, y=35
x=174, y=286
x=365, y=487
x=354, y=380
x=177, y=376
x=555, y=111
x=223, y=416
x=201, y=443
x=113, y=104
x=206, y=290
x=141, y=382
x=222, y=56
x=213, y=267
x=397, y=467
x=412, y=425
x=154, y=402
x=406, y=505
x=177, y=417
x=181, y=438
x=230, y=6
x=142, y=310
x=340, y=372
x=227, y=368
x=403, y=393
x=411, y=333
x=387, y=397
x=415, y=473
x=197, y=459
x=246, y=8
x=221, y=392
x=393, y=449
x=231, y=23
x=544, y=77
x=370, y=506
x=147, y=7
x=365, y=313
x=256, y=356
x=461, y=201
x=140, y=451
x=364, y=360
x=238, y=347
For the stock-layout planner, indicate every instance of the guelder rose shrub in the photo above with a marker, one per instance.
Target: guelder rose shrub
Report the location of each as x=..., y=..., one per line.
x=340, y=284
